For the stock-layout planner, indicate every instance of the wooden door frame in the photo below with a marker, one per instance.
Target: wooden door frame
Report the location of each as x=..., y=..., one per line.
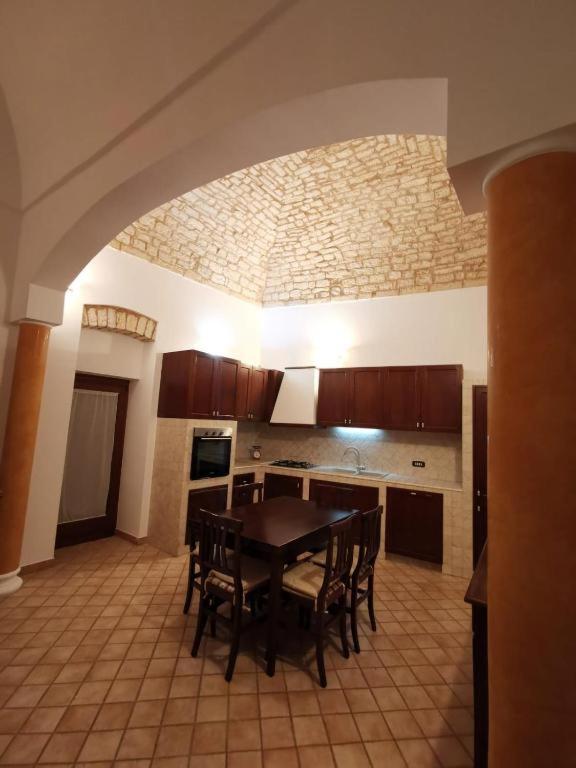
x=78, y=531
x=477, y=546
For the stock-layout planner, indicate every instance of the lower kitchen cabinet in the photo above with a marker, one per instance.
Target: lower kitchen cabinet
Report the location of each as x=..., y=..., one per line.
x=282, y=485
x=343, y=495
x=414, y=524
x=242, y=490
x=213, y=499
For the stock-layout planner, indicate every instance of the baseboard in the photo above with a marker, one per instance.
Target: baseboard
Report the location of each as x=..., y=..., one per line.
x=130, y=537
x=25, y=569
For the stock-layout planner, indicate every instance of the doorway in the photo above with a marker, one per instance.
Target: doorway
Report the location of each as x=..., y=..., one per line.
x=91, y=482
x=479, y=470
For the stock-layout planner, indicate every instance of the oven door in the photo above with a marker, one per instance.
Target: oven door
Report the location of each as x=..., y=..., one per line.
x=210, y=457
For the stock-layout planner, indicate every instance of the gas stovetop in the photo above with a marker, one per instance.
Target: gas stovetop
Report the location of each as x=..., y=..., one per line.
x=292, y=464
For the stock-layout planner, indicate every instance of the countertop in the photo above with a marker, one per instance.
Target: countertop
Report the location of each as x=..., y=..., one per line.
x=392, y=479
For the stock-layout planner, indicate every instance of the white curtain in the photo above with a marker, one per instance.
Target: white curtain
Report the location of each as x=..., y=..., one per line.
x=88, y=455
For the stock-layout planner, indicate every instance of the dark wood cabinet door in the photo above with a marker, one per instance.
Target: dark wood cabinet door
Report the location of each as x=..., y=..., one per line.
x=441, y=398
x=333, y=397
x=201, y=399
x=414, y=524
x=343, y=495
x=282, y=485
x=401, y=398
x=213, y=498
x=366, y=397
x=175, y=383
x=257, y=394
x=226, y=385
x=242, y=385
x=273, y=382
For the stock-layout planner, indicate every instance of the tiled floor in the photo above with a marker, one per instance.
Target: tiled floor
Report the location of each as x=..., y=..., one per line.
x=95, y=669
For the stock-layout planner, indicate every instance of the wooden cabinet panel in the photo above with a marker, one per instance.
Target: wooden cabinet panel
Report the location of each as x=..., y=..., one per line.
x=175, y=384
x=242, y=385
x=333, y=397
x=257, y=394
x=201, y=396
x=366, y=397
x=272, y=388
x=213, y=498
x=441, y=398
x=414, y=524
x=225, y=391
x=401, y=398
x=282, y=485
x=327, y=493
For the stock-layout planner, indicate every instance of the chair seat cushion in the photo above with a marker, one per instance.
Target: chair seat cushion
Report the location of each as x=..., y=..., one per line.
x=306, y=579
x=253, y=574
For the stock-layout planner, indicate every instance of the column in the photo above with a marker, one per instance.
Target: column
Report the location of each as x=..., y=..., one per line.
x=18, y=449
x=532, y=462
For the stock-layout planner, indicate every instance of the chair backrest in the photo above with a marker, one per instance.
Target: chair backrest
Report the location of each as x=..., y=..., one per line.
x=220, y=546
x=369, y=541
x=339, y=554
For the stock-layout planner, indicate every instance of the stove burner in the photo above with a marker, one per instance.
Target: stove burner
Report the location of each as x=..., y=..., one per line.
x=292, y=464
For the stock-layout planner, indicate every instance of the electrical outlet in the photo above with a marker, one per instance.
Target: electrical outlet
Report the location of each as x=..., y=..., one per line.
x=418, y=463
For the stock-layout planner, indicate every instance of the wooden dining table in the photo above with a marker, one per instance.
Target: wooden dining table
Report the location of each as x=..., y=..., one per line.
x=279, y=530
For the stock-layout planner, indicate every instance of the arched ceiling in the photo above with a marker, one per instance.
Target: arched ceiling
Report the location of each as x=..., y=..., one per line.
x=370, y=217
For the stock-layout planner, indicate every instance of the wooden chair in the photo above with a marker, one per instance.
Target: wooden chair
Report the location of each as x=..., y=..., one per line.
x=244, y=494
x=226, y=576
x=192, y=536
x=319, y=589
x=366, y=547
x=364, y=562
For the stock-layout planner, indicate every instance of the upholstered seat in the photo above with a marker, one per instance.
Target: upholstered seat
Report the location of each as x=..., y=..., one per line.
x=253, y=573
x=307, y=579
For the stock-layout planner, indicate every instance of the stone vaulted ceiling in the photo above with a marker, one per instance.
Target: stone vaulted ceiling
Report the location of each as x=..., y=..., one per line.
x=371, y=217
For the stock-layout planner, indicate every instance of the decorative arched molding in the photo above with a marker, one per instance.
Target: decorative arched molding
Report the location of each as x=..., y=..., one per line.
x=128, y=322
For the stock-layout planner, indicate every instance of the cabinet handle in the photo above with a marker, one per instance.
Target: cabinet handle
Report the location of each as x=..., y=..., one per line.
x=422, y=425
x=417, y=425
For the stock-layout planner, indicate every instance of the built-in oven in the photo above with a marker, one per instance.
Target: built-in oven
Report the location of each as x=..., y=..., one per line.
x=211, y=449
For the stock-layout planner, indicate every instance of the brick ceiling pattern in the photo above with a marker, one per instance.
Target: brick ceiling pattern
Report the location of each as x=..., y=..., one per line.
x=370, y=217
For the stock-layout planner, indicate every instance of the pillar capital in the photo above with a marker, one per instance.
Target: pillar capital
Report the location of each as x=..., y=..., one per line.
x=39, y=304
x=559, y=141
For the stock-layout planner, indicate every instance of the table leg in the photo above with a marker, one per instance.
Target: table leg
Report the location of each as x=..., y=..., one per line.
x=275, y=595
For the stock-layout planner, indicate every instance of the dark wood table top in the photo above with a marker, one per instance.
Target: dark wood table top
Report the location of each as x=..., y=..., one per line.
x=278, y=523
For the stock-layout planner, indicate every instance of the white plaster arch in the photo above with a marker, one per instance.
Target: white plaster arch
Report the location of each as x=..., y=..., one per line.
x=353, y=111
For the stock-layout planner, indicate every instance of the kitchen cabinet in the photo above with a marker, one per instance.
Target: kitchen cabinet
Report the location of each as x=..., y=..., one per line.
x=242, y=489
x=350, y=397
x=282, y=485
x=426, y=398
x=187, y=385
x=414, y=524
x=402, y=401
x=327, y=493
x=213, y=499
x=251, y=393
x=441, y=398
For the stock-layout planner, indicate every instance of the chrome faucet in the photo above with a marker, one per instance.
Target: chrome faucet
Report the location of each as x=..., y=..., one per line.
x=359, y=466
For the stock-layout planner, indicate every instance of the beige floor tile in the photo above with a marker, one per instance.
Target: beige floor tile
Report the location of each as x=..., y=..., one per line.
x=24, y=749
x=78, y=718
x=100, y=746
x=280, y=758
x=277, y=733
x=303, y=703
x=351, y=756
x=244, y=759
x=208, y=761
x=450, y=752
x=43, y=720
x=309, y=730
x=372, y=726
x=385, y=754
x=315, y=757
x=333, y=702
x=180, y=712
x=209, y=738
x=11, y=720
x=174, y=740
x=402, y=725
x=113, y=716
x=244, y=735
x=146, y=714
x=63, y=748
x=341, y=729
x=183, y=687
x=212, y=709
x=243, y=707
x=418, y=754
x=137, y=743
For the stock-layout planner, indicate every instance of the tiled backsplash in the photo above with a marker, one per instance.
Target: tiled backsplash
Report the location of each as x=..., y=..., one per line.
x=383, y=450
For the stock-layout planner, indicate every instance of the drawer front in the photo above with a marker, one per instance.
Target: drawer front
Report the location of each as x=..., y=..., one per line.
x=282, y=485
x=242, y=479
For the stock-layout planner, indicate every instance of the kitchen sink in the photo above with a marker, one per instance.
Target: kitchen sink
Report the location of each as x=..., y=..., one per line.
x=352, y=471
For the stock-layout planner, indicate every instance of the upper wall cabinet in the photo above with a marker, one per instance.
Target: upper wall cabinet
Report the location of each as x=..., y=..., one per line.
x=350, y=396
x=195, y=385
x=425, y=398
x=251, y=393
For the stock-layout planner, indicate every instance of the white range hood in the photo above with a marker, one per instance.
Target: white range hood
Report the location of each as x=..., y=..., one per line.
x=297, y=398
